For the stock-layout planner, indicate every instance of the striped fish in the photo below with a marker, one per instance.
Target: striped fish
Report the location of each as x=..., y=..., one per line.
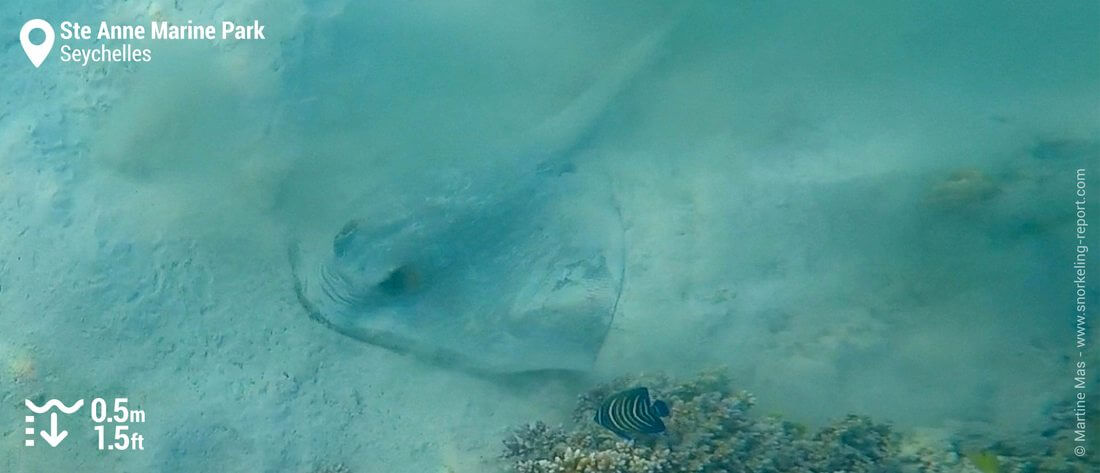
x=631, y=412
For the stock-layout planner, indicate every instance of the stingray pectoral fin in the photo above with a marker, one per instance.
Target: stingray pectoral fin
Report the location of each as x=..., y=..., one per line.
x=570, y=296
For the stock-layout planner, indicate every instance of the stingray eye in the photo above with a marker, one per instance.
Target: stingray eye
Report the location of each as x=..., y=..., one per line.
x=402, y=280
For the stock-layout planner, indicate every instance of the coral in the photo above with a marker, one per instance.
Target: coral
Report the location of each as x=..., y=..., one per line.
x=533, y=439
x=1052, y=451
x=1047, y=450
x=619, y=457
x=925, y=451
x=709, y=430
x=855, y=444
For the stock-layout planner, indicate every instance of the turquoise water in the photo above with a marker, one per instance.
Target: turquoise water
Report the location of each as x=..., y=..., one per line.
x=388, y=233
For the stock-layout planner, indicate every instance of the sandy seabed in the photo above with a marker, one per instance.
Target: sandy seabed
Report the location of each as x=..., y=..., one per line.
x=839, y=203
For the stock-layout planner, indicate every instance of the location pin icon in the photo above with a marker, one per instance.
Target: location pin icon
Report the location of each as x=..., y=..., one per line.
x=36, y=52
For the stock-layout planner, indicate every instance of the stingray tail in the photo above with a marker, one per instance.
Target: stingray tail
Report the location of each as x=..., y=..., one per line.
x=564, y=129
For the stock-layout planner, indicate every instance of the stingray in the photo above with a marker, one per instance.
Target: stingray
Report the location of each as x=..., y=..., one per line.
x=517, y=269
